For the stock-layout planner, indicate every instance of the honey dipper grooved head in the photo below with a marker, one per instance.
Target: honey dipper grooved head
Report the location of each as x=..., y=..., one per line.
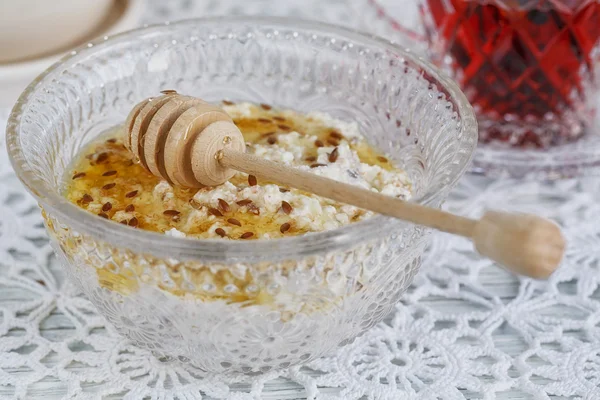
x=176, y=137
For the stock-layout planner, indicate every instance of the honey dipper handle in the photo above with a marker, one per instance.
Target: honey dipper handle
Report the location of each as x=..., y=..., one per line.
x=349, y=194
x=525, y=244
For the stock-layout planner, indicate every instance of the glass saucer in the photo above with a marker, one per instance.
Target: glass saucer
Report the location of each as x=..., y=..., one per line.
x=579, y=158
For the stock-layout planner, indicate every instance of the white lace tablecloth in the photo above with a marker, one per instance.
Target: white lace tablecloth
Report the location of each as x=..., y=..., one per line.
x=465, y=330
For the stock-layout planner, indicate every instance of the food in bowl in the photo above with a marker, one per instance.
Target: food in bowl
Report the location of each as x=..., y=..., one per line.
x=106, y=181
x=247, y=305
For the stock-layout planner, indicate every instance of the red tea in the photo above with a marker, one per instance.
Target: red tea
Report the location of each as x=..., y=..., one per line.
x=525, y=65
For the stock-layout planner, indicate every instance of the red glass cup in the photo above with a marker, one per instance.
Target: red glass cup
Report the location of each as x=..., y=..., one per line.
x=527, y=66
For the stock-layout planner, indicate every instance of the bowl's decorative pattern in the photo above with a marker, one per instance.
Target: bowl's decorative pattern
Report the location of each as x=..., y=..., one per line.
x=231, y=306
x=272, y=315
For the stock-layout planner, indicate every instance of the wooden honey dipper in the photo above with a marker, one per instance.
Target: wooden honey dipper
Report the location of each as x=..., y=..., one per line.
x=192, y=143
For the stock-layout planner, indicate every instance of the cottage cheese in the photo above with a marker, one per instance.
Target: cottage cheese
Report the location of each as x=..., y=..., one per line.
x=310, y=213
x=109, y=183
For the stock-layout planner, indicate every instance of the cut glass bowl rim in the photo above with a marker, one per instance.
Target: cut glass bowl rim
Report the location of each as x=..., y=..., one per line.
x=215, y=250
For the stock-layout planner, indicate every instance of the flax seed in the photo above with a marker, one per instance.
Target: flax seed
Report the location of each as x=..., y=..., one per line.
x=109, y=186
x=265, y=106
x=333, y=156
x=336, y=135
x=79, y=175
x=234, y=221
x=87, y=198
x=133, y=222
x=244, y=202
x=171, y=213
x=215, y=212
x=286, y=207
x=103, y=215
x=221, y=232
x=131, y=194
x=382, y=159
x=102, y=157
x=223, y=205
x=319, y=143
x=109, y=173
x=252, y=180
x=130, y=208
x=284, y=227
x=107, y=206
x=247, y=235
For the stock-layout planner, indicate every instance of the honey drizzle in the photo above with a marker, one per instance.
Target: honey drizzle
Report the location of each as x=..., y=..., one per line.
x=108, y=154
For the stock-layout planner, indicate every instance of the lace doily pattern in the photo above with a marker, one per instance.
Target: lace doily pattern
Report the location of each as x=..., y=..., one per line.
x=465, y=329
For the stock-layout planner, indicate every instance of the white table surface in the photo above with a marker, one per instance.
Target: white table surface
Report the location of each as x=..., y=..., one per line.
x=465, y=330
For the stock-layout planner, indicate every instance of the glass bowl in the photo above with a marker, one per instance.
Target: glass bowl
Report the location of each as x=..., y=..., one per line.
x=243, y=306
